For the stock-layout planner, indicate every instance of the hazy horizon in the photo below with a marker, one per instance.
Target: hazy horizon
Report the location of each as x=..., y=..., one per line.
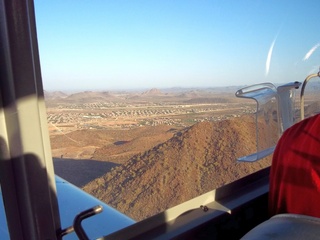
x=144, y=89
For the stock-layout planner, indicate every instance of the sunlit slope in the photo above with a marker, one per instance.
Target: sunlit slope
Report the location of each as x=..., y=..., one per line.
x=194, y=161
x=108, y=145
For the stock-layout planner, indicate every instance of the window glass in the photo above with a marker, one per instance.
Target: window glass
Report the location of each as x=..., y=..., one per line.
x=141, y=99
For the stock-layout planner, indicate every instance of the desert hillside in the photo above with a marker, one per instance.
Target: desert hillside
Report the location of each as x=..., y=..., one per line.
x=115, y=146
x=143, y=152
x=83, y=155
x=194, y=161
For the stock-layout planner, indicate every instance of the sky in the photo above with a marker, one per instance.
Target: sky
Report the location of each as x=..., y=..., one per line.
x=133, y=44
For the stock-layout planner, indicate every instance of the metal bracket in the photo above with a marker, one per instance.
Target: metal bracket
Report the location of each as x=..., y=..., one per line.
x=77, y=227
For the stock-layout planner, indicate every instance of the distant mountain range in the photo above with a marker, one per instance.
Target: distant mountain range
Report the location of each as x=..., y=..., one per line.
x=154, y=94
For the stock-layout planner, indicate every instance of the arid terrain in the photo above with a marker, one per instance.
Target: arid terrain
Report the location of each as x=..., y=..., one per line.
x=143, y=152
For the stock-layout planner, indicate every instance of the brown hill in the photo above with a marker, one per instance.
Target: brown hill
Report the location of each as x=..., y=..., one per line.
x=152, y=92
x=109, y=145
x=191, y=163
x=54, y=95
x=90, y=96
x=133, y=141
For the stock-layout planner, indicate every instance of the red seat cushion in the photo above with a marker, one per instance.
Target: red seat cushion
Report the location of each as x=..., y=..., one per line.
x=295, y=170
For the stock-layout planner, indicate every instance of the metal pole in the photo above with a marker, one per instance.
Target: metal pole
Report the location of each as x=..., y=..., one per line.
x=26, y=168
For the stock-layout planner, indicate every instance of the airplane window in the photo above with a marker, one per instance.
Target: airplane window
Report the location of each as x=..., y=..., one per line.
x=140, y=95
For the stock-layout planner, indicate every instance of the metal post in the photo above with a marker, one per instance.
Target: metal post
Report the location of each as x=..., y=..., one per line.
x=26, y=168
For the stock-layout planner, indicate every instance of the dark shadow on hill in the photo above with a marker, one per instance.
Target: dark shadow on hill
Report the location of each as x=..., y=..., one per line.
x=81, y=171
x=120, y=143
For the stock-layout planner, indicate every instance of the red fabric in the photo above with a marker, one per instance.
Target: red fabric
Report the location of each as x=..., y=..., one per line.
x=295, y=170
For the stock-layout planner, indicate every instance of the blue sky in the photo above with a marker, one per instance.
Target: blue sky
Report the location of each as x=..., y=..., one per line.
x=108, y=45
